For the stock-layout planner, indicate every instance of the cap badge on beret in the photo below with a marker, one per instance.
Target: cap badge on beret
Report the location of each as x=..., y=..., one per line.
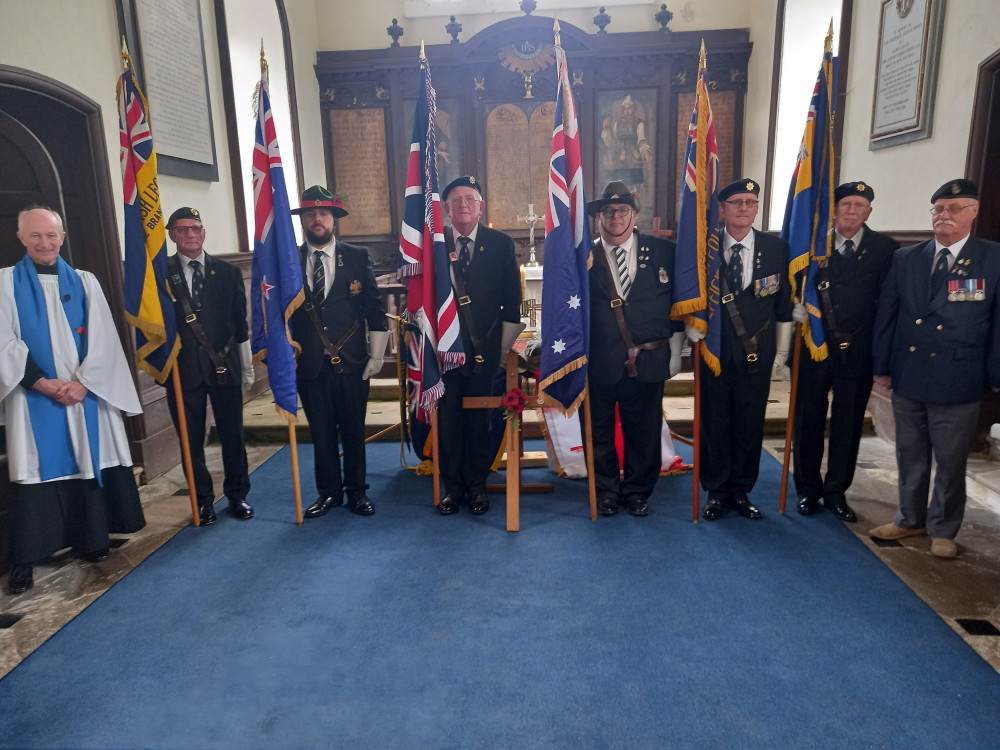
x=472, y=179
x=861, y=187
x=750, y=185
x=194, y=211
x=955, y=188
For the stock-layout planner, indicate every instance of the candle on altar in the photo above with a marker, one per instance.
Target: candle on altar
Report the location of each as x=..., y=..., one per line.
x=522, y=281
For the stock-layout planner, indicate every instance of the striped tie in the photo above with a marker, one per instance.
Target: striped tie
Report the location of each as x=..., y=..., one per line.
x=197, y=284
x=623, y=276
x=318, y=279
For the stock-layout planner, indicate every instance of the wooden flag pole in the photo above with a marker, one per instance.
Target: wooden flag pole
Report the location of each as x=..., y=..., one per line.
x=790, y=422
x=696, y=426
x=434, y=457
x=185, y=447
x=588, y=439
x=296, y=489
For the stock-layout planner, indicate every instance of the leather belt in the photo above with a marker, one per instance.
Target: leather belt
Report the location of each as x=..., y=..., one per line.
x=332, y=349
x=749, y=342
x=183, y=296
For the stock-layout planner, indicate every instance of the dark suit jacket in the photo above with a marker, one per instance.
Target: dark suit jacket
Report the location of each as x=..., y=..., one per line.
x=855, y=285
x=353, y=296
x=647, y=313
x=223, y=317
x=493, y=284
x=936, y=350
x=759, y=312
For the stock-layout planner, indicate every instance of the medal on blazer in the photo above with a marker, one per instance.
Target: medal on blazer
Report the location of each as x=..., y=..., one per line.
x=766, y=286
x=340, y=260
x=966, y=290
x=663, y=275
x=355, y=288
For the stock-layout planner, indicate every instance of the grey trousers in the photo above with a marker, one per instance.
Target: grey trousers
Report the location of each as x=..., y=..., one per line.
x=942, y=432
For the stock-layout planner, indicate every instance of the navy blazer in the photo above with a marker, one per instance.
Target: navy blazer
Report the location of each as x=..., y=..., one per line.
x=646, y=311
x=223, y=317
x=935, y=349
x=353, y=296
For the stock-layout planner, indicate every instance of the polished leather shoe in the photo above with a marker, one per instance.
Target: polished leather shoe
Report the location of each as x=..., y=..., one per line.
x=712, y=510
x=322, y=506
x=840, y=508
x=362, y=506
x=637, y=506
x=744, y=507
x=447, y=506
x=607, y=506
x=807, y=506
x=21, y=579
x=206, y=514
x=95, y=557
x=241, y=509
x=479, y=504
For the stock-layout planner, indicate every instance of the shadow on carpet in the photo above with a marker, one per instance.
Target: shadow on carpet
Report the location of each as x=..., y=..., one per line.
x=412, y=630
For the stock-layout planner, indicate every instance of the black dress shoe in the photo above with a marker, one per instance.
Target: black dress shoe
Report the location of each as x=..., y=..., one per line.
x=21, y=579
x=712, y=510
x=807, y=506
x=744, y=507
x=206, y=514
x=96, y=557
x=241, y=509
x=447, y=506
x=840, y=508
x=322, y=506
x=637, y=506
x=607, y=506
x=479, y=504
x=362, y=506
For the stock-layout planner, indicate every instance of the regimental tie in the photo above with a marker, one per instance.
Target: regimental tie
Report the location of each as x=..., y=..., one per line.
x=464, y=256
x=197, y=284
x=318, y=279
x=940, y=269
x=847, y=249
x=623, y=277
x=735, y=279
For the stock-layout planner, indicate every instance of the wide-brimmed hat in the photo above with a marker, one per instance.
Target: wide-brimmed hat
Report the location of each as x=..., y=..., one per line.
x=318, y=196
x=615, y=191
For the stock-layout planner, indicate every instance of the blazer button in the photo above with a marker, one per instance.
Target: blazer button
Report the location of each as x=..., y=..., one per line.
x=933, y=354
x=940, y=328
x=918, y=321
x=913, y=348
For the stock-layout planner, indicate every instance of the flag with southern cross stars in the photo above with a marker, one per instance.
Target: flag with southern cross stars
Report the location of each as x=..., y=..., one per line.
x=565, y=292
x=276, y=286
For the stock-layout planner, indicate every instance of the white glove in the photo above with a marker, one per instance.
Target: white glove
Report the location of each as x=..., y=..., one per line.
x=246, y=367
x=676, y=345
x=376, y=353
x=799, y=313
x=783, y=338
x=693, y=334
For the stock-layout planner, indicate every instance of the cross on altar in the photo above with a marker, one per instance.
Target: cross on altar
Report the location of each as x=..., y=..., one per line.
x=531, y=307
x=530, y=220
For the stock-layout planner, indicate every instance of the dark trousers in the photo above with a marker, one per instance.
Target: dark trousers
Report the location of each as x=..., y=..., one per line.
x=464, y=440
x=640, y=406
x=337, y=403
x=850, y=399
x=227, y=406
x=733, y=406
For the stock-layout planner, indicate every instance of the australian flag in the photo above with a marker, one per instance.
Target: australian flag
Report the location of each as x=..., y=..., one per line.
x=276, y=286
x=423, y=259
x=565, y=292
x=148, y=303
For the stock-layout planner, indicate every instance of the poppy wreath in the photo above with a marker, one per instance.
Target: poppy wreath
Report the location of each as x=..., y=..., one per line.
x=513, y=405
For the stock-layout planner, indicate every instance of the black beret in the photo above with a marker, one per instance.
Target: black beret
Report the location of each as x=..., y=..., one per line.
x=854, y=188
x=957, y=189
x=614, y=192
x=318, y=196
x=466, y=181
x=186, y=212
x=742, y=185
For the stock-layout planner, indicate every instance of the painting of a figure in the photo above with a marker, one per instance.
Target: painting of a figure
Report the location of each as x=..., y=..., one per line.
x=627, y=148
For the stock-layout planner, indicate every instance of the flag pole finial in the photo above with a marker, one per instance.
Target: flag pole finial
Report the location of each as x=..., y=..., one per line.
x=701, y=57
x=423, y=57
x=828, y=44
x=555, y=29
x=263, y=60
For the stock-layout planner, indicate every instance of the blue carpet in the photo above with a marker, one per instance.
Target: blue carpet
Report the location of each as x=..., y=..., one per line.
x=411, y=630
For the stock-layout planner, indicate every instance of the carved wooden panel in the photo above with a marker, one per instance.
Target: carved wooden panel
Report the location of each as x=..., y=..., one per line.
x=723, y=113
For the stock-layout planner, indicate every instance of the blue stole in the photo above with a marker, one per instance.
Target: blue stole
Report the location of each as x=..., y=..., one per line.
x=48, y=417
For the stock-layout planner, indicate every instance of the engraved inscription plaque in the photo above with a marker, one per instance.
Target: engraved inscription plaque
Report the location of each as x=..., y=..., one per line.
x=359, y=159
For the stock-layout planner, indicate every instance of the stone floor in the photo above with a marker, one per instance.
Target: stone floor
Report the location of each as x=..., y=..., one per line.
x=966, y=590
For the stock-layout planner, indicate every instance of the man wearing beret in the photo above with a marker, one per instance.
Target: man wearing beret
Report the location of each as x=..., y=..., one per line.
x=487, y=286
x=214, y=362
x=633, y=349
x=848, y=288
x=937, y=346
x=754, y=296
x=341, y=328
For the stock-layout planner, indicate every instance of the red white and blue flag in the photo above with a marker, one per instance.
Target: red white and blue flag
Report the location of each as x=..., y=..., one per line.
x=276, y=287
x=423, y=260
x=565, y=291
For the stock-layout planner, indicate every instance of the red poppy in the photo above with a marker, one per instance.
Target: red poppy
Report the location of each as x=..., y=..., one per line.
x=81, y=330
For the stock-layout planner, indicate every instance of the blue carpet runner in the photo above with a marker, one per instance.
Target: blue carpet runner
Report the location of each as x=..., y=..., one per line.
x=412, y=630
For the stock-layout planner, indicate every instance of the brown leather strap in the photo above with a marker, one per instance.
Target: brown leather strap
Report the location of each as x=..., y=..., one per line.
x=463, y=302
x=749, y=342
x=616, y=306
x=332, y=349
x=183, y=295
x=842, y=340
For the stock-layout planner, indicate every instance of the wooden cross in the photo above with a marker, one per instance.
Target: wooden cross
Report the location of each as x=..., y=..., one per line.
x=531, y=307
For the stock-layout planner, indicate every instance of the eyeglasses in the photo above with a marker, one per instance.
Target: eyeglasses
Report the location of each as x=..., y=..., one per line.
x=749, y=203
x=938, y=210
x=188, y=230
x=463, y=201
x=615, y=213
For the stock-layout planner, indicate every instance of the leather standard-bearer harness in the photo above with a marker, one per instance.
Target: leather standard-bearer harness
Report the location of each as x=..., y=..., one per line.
x=181, y=293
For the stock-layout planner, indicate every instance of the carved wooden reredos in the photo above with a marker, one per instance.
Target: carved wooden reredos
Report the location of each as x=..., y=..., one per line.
x=495, y=93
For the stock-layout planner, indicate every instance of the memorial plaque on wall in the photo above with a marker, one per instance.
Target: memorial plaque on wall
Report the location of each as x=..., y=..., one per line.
x=508, y=174
x=540, y=153
x=360, y=167
x=724, y=118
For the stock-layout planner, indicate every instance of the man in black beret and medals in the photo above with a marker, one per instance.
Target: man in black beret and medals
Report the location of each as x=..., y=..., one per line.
x=937, y=346
x=487, y=285
x=341, y=328
x=754, y=296
x=634, y=347
x=214, y=362
x=848, y=287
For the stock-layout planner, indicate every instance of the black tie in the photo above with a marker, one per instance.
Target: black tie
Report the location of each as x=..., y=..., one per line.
x=736, y=270
x=318, y=278
x=464, y=256
x=197, y=284
x=940, y=269
x=847, y=249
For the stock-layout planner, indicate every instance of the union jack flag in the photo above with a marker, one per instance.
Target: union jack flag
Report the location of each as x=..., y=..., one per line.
x=565, y=289
x=148, y=303
x=423, y=259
